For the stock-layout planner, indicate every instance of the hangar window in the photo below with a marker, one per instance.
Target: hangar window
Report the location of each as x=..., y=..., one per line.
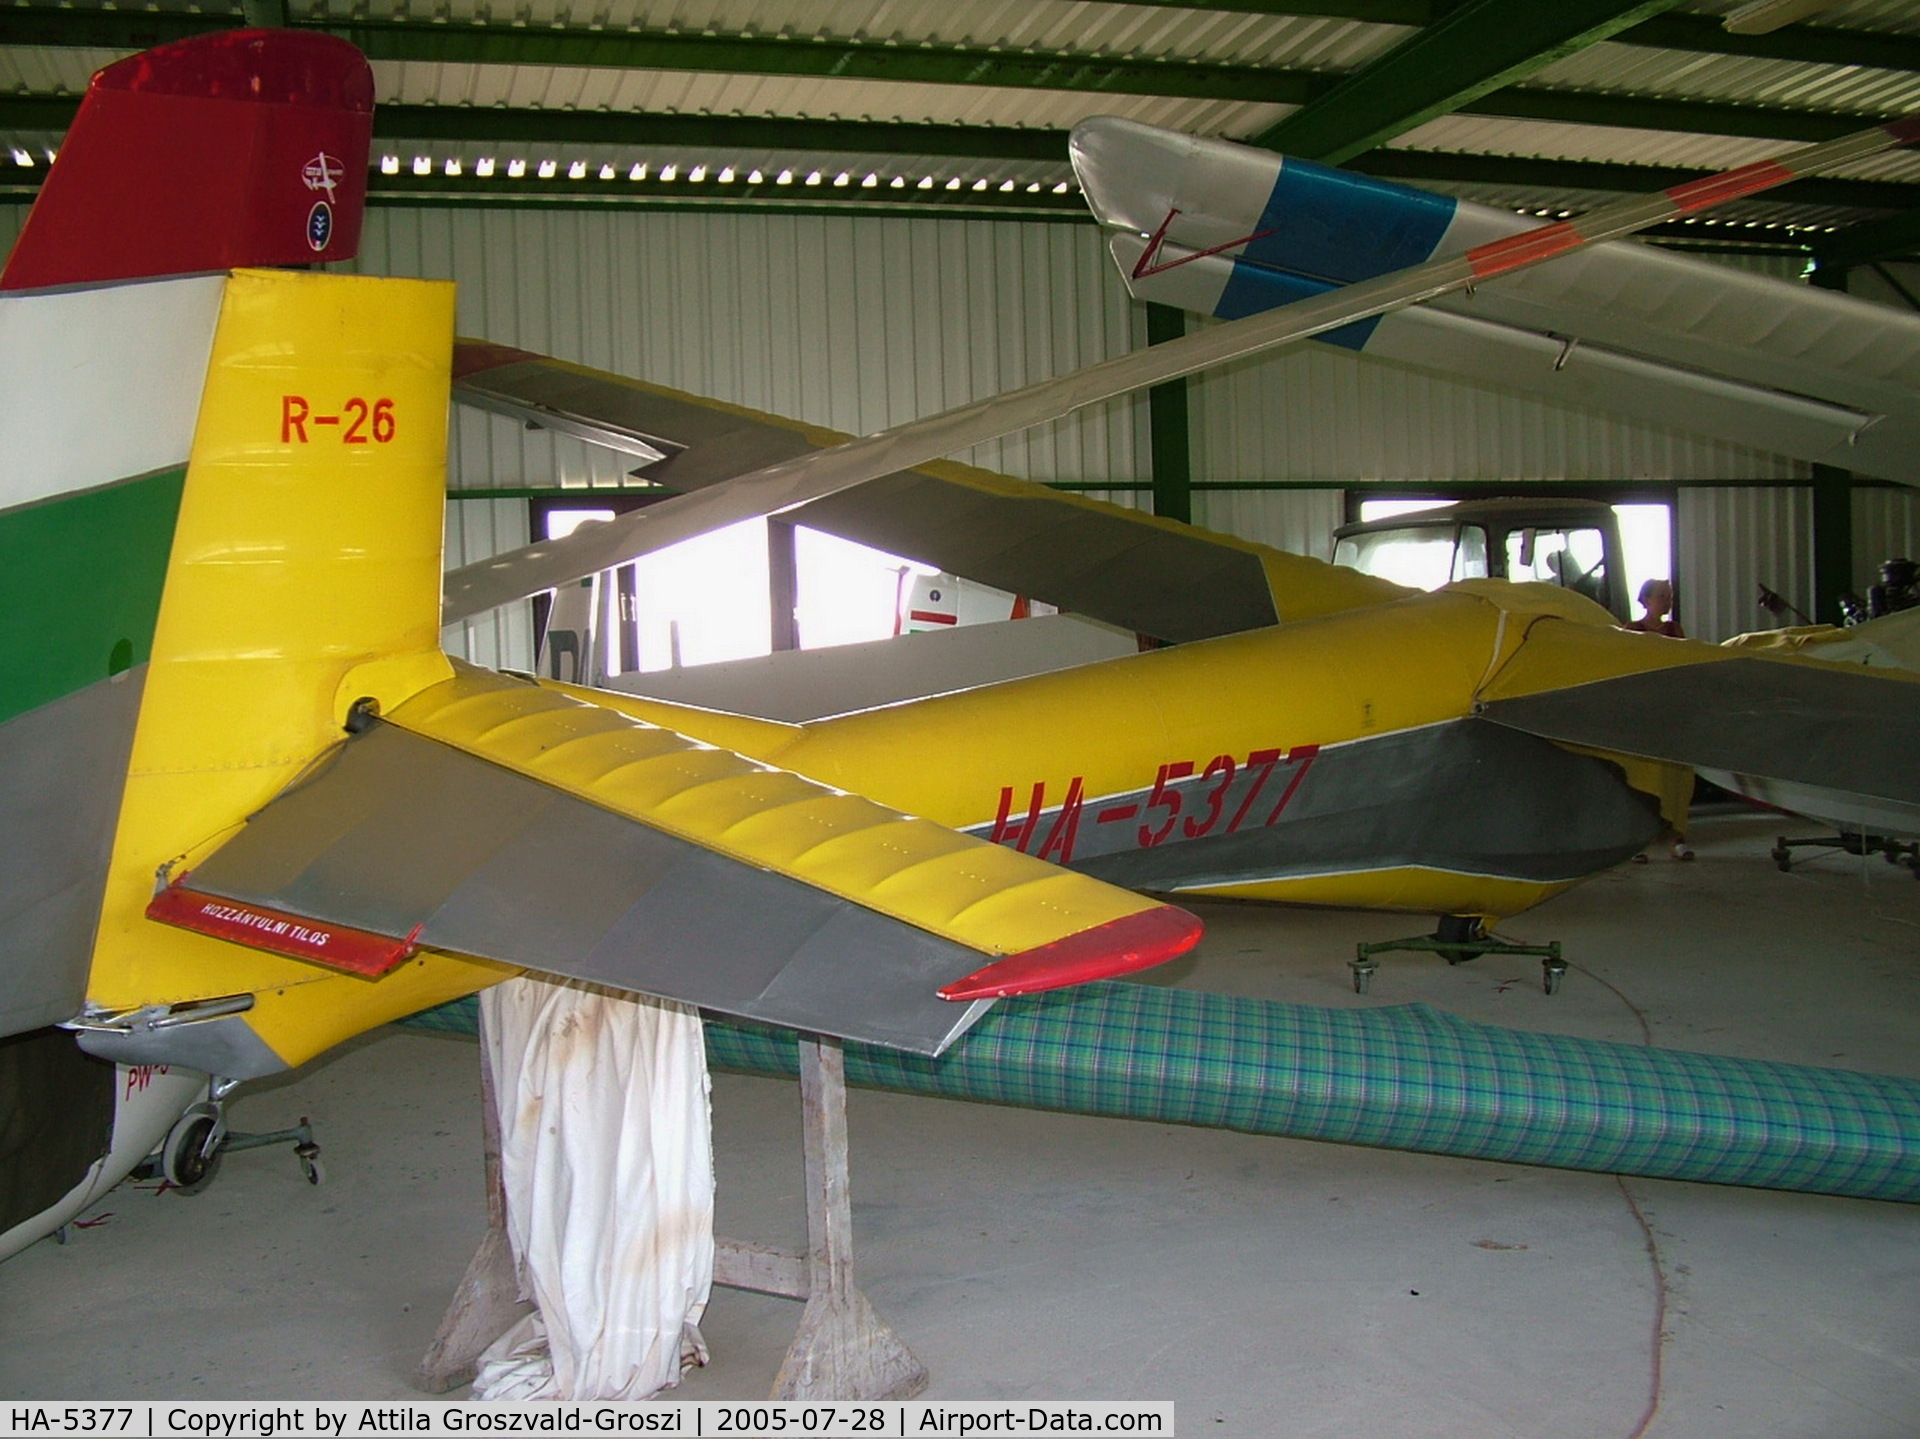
x=712, y=598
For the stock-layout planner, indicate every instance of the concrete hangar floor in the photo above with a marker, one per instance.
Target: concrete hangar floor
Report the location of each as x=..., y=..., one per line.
x=1269, y=1287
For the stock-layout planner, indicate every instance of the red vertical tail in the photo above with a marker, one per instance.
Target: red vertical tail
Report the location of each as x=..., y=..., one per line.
x=247, y=147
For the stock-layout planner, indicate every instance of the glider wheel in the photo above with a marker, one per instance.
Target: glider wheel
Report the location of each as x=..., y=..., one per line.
x=1450, y=933
x=192, y=1154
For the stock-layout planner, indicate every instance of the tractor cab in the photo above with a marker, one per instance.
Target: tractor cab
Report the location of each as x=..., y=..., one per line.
x=1571, y=543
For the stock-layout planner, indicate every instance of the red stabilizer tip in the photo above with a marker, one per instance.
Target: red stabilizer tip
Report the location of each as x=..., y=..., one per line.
x=337, y=946
x=1137, y=941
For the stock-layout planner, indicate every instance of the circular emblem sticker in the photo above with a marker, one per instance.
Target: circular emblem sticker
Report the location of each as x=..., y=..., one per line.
x=320, y=225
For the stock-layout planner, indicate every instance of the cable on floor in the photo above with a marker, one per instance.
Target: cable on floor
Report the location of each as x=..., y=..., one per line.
x=1657, y=1344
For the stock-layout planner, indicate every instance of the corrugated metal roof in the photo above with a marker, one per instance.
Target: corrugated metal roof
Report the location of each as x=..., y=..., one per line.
x=551, y=87
x=1897, y=16
x=1551, y=140
x=1735, y=79
x=35, y=71
x=1059, y=26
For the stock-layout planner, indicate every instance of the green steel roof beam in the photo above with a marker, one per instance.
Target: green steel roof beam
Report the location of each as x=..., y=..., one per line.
x=733, y=132
x=1474, y=50
x=1815, y=44
x=406, y=188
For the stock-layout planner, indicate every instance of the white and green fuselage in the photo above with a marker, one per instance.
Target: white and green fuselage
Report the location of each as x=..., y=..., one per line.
x=94, y=439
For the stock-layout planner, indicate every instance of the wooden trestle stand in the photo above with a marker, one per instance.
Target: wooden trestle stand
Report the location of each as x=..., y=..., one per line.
x=843, y=1351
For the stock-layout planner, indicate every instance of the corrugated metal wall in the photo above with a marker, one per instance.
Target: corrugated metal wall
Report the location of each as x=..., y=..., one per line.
x=856, y=324
x=1318, y=413
x=1742, y=537
x=1886, y=525
x=1728, y=542
x=1302, y=521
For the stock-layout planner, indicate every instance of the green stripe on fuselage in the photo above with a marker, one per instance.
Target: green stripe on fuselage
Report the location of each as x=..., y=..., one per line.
x=80, y=583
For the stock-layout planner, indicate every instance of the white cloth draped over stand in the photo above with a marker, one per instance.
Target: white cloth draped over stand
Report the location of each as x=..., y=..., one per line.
x=606, y=1158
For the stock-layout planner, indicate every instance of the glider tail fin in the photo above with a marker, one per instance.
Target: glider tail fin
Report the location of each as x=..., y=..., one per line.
x=304, y=577
x=246, y=147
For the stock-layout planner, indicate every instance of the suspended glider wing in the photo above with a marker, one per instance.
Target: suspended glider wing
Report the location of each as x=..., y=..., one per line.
x=1227, y=230
x=1818, y=737
x=789, y=484
x=495, y=818
x=1125, y=567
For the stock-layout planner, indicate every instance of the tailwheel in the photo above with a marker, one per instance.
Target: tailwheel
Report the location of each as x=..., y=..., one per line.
x=1455, y=936
x=191, y=1154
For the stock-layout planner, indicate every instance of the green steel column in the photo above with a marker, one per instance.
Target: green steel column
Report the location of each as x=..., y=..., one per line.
x=1832, y=540
x=783, y=586
x=1832, y=505
x=1172, y=451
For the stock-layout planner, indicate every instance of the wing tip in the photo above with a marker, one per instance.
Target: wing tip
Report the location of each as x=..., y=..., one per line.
x=1133, y=942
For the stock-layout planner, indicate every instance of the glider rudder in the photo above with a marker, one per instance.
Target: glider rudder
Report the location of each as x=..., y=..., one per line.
x=247, y=147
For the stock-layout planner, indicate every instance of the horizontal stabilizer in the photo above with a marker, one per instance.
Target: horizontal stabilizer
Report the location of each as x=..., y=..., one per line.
x=802, y=906
x=1796, y=723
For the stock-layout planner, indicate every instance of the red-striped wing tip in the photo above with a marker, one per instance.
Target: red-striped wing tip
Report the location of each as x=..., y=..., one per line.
x=1121, y=946
x=337, y=946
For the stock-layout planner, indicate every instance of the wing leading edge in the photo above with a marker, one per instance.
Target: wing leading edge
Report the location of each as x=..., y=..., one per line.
x=496, y=819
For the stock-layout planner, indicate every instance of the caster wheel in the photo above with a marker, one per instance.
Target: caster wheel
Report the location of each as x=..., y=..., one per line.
x=1782, y=856
x=310, y=1165
x=1552, y=974
x=1362, y=975
x=185, y=1162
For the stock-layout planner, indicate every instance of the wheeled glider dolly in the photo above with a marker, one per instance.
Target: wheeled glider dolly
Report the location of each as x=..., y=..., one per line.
x=1457, y=939
x=1855, y=841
